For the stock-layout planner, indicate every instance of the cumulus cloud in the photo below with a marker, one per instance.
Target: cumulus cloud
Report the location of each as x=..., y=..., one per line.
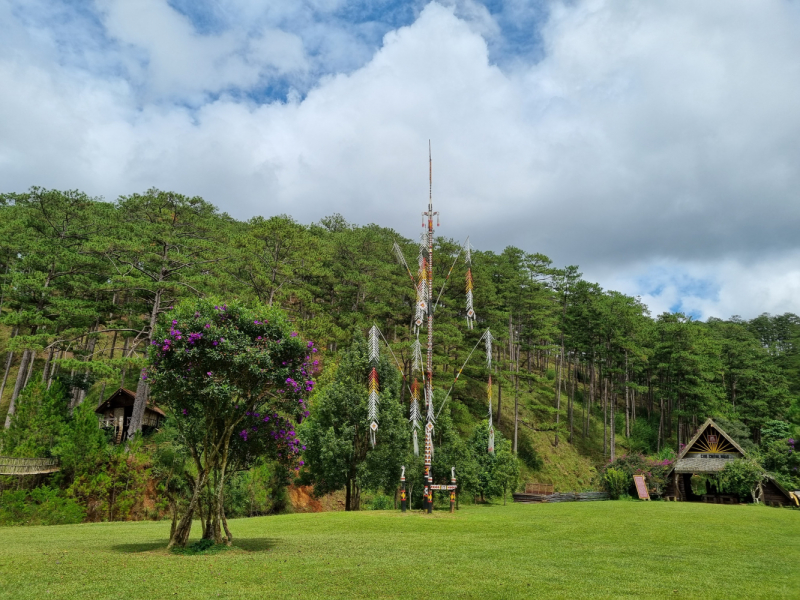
x=654, y=144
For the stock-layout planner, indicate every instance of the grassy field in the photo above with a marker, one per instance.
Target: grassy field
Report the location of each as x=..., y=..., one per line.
x=573, y=550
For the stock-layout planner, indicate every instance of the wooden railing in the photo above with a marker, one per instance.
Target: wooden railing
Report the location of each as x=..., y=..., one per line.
x=27, y=466
x=542, y=489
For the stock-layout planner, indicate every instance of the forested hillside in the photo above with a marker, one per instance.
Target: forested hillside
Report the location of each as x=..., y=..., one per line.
x=83, y=283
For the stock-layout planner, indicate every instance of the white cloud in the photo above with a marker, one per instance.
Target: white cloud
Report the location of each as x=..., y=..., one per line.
x=178, y=62
x=653, y=143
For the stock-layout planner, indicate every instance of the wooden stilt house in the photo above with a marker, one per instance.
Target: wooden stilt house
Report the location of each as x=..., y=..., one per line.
x=115, y=414
x=707, y=453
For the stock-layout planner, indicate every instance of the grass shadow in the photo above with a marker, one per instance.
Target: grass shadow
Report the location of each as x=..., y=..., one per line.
x=244, y=544
x=140, y=547
x=255, y=544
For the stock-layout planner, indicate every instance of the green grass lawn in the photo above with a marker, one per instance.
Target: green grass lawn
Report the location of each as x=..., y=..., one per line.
x=571, y=550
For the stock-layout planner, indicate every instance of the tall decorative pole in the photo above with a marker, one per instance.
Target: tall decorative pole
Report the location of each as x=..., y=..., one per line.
x=425, y=305
x=374, y=355
x=489, y=388
x=430, y=419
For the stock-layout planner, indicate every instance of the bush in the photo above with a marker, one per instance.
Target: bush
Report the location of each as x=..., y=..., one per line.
x=550, y=374
x=644, y=436
x=654, y=470
x=617, y=482
x=742, y=477
x=42, y=506
x=382, y=502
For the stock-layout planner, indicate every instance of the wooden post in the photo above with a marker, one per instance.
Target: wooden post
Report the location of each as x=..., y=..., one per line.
x=453, y=491
x=403, y=490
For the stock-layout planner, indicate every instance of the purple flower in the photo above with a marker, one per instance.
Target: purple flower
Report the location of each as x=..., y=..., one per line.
x=208, y=373
x=215, y=342
x=294, y=334
x=174, y=322
x=184, y=411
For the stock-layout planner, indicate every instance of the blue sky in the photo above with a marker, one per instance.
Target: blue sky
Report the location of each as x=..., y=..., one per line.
x=653, y=144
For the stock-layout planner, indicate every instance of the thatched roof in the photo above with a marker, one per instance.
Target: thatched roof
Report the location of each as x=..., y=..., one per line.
x=700, y=465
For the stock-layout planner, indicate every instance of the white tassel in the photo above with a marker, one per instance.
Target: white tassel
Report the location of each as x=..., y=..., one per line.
x=489, y=339
x=416, y=356
x=374, y=345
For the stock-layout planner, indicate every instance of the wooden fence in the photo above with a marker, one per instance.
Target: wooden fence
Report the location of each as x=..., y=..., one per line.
x=561, y=497
x=543, y=489
x=27, y=466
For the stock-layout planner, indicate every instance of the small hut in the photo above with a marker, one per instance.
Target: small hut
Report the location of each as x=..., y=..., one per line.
x=707, y=453
x=115, y=413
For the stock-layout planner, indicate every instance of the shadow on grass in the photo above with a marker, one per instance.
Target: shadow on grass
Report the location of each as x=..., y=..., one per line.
x=245, y=544
x=141, y=547
x=255, y=544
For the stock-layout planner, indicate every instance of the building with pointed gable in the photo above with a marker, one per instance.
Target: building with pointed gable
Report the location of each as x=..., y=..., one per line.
x=115, y=414
x=707, y=453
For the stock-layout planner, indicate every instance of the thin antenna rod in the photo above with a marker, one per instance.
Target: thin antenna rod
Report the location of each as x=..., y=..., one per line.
x=430, y=173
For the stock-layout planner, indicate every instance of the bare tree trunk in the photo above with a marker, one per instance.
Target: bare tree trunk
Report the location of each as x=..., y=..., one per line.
x=605, y=416
x=627, y=401
x=9, y=361
x=31, y=361
x=515, y=347
x=499, y=399
x=142, y=388
x=18, y=385
x=46, y=369
x=124, y=369
x=612, y=446
x=572, y=379
x=558, y=386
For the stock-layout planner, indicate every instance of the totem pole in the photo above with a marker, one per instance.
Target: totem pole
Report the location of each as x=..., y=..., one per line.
x=424, y=313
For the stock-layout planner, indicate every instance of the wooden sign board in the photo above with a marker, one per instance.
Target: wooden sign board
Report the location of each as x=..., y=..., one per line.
x=641, y=487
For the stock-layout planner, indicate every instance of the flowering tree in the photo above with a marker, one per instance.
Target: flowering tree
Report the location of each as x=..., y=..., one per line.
x=234, y=382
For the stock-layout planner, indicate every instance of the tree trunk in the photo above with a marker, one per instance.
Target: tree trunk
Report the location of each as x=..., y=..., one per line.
x=31, y=361
x=499, y=399
x=46, y=369
x=558, y=386
x=348, y=496
x=124, y=369
x=9, y=360
x=18, y=385
x=142, y=388
x=516, y=398
x=605, y=416
x=612, y=446
x=572, y=378
x=627, y=401
x=184, y=528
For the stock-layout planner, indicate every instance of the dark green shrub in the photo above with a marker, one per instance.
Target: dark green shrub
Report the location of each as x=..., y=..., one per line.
x=617, y=482
x=382, y=502
x=42, y=506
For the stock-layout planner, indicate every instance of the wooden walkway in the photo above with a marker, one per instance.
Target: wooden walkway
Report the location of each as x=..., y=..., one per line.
x=28, y=466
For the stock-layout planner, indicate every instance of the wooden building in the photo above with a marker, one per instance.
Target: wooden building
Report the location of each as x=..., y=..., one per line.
x=115, y=414
x=707, y=453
